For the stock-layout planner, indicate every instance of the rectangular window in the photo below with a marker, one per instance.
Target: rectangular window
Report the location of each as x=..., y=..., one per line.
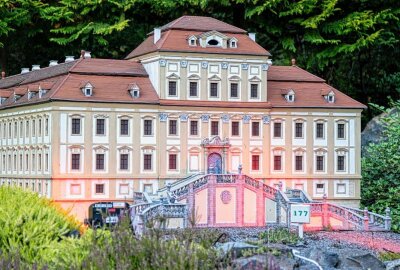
x=124, y=127
x=40, y=127
x=76, y=126
x=340, y=163
x=26, y=162
x=99, y=161
x=100, y=127
x=148, y=127
x=299, y=186
x=46, y=127
x=235, y=128
x=172, y=88
x=147, y=164
x=277, y=130
x=213, y=89
x=340, y=131
x=99, y=188
x=299, y=130
x=234, y=90
x=39, y=162
x=123, y=162
x=20, y=162
x=253, y=90
x=75, y=161
x=255, y=162
x=27, y=128
x=46, y=164
x=255, y=129
x=320, y=130
x=320, y=163
x=299, y=163
x=21, y=129
x=172, y=162
x=124, y=189
x=214, y=128
x=33, y=162
x=33, y=128
x=173, y=129
x=194, y=128
x=193, y=89
x=277, y=163
x=320, y=188
x=341, y=188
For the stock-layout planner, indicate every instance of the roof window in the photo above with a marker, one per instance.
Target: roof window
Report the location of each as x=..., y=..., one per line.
x=233, y=43
x=87, y=89
x=192, y=41
x=329, y=97
x=213, y=42
x=2, y=100
x=134, y=90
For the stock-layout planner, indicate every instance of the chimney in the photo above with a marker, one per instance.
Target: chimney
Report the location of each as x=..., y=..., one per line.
x=24, y=70
x=82, y=53
x=87, y=55
x=252, y=36
x=269, y=62
x=69, y=59
x=157, y=34
x=35, y=67
x=293, y=61
x=53, y=63
x=3, y=75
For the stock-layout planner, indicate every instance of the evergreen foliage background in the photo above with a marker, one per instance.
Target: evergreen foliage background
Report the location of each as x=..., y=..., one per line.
x=353, y=44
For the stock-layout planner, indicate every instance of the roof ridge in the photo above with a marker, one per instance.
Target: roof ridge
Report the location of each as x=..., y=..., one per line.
x=310, y=73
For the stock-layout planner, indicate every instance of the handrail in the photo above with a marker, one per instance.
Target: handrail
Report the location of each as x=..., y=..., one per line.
x=180, y=181
x=374, y=218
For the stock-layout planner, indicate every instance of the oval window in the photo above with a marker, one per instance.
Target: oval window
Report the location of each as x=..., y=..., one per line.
x=213, y=42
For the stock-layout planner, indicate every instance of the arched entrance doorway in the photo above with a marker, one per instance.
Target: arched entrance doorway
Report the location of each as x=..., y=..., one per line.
x=214, y=163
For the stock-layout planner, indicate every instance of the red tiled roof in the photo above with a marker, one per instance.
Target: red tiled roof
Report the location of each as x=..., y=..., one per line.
x=308, y=95
x=97, y=66
x=108, y=89
x=223, y=104
x=6, y=93
x=176, y=40
x=200, y=23
x=291, y=73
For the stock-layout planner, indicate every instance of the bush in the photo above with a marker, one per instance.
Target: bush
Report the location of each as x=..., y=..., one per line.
x=380, y=185
x=279, y=235
x=30, y=225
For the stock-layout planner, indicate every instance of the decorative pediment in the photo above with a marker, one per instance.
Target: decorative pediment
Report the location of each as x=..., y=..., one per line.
x=173, y=76
x=236, y=150
x=75, y=146
x=124, y=149
x=194, y=77
x=320, y=151
x=215, y=141
x=213, y=33
x=194, y=149
x=299, y=151
x=173, y=149
x=101, y=116
x=255, y=79
x=100, y=148
x=234, y=78
x=214, y=78
x=256, y=150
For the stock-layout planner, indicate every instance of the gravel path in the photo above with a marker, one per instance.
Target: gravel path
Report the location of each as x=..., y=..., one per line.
x=375, y=241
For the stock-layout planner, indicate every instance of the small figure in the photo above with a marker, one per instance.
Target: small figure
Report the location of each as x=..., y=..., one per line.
x=240, y=168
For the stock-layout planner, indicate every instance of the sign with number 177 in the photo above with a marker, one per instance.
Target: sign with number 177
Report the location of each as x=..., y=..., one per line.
x=300, y=213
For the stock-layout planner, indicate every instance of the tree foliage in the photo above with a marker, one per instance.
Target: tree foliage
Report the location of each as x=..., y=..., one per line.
x=353, y=44
x=380, y=187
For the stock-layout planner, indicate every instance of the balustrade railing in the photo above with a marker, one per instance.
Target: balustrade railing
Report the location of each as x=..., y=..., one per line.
x=374, y=219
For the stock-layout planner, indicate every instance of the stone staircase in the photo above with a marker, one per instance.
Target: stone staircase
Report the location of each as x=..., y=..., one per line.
x=165, y=206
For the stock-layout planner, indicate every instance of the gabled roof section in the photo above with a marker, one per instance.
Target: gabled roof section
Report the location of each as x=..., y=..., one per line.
x=176, y=41
x=200, y=23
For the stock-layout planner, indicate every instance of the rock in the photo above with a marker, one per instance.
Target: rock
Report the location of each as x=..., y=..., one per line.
x=372, y=132
x=257, y=262
x=235, y=249
x=326, y=259
x=393, y=265
x=368, y=261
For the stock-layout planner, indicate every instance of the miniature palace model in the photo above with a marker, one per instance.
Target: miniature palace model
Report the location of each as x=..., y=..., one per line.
x=199, y=108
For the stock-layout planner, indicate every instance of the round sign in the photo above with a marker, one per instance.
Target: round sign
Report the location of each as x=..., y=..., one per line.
x=226, y=196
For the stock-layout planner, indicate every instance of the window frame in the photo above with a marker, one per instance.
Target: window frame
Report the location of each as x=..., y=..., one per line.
x=258, y=129
x=173, y=128
x=122, y=162
x=233, y=128
x=190, y=89
x=123, y=127
x=212, y=128
x=175, y=88
x=255, y=162
x=257, y=88
x=100, y=162
x=298, y=129
x=275, y=130
x=275, y=164
x=211, y=84
x=74, y=128
x=147, y=162
x=75, y=162
x=191, y=128
x=100, y=126
x=146, y=128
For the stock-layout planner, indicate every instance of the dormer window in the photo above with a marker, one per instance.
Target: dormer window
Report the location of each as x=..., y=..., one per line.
x=31, y=94
x=42, y=92
x=289, y=95
x=2, y=100
x=16, y=97
x=87, y=89
x=233, y=43
x=192, y=41
x=329, y=97
x=134, y=90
